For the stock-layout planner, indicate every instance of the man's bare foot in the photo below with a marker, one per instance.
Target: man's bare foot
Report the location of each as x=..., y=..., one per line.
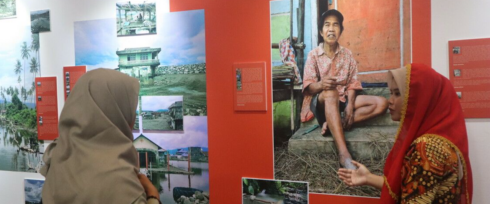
x=346, y=161
x=324, y=129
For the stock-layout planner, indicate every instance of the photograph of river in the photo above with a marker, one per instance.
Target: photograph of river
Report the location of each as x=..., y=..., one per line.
x=19, y=65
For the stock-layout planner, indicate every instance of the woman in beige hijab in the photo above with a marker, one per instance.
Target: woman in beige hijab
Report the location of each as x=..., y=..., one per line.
x=94, y=160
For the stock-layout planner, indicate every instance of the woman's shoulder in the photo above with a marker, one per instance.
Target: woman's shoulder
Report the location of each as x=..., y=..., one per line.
x=436, y=149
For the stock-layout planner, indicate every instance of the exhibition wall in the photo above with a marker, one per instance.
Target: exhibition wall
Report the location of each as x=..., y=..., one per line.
x=241, y=143
x=452, y=20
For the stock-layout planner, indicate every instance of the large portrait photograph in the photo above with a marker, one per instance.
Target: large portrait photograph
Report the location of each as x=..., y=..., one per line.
x=330, y=95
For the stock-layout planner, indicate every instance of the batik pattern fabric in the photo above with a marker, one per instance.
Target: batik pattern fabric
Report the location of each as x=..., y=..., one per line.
x=288, y=58
x=430, y=172
x=319, y=65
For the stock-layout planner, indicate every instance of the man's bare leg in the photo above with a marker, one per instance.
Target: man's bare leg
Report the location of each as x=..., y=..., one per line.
x=330, y=101
x=367, y=107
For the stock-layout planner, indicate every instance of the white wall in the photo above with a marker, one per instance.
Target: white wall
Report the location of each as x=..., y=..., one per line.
x=456, y=20
x=57, y=49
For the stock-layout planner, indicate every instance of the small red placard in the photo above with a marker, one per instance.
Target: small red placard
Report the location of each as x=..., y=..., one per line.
x=47, y=108
x=469, y=71
x=250, y=86
x=71, y=76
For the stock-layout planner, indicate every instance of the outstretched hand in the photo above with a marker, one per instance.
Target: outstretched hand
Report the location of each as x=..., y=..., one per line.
x=356, y=177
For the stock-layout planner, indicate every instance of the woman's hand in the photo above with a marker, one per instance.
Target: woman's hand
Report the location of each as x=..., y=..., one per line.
x=360, y=176
x=150, y=189
x=356, y=177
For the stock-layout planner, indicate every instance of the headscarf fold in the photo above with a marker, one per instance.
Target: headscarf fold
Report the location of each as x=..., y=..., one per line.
x=94, y=160
x=430, y=107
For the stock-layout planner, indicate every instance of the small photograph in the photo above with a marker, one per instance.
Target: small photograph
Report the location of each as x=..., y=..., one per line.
x=40, y=21
x=135, y=18
x=38, y=83
x=8, y=9
x=273, y=191
x=456, y=50
x=459, y=94
x=32, y=190
x=162, y=114
x=239, y=79
x=457, y=72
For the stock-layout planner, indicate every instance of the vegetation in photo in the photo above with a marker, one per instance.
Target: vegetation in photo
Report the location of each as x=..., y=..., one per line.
x=274, y=191
x=19, y=146
x=40, y=21
x=136, y=18
x=7, y=8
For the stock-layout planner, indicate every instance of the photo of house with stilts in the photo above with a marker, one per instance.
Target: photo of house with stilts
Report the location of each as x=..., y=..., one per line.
x=139, y=63
x=136, y=19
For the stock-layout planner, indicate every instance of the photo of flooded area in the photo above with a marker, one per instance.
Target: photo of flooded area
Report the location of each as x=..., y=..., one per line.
x=255, y=191
x=162, y=114
x=136, y=18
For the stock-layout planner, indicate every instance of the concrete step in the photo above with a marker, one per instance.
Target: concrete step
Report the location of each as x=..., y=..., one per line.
x=363, y=142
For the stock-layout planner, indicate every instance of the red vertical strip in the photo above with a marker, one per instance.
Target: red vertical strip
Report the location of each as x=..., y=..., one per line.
x=421, y=32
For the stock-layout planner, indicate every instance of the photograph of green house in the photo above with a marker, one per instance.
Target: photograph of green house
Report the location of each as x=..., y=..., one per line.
x=149, y=153
x=139, y=63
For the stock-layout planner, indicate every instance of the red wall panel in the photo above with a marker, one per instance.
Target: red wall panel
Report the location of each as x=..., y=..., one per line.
x=240, y=144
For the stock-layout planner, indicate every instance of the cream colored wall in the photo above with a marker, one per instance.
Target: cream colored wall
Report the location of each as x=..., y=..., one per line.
x=456, y=20
x=144, y=143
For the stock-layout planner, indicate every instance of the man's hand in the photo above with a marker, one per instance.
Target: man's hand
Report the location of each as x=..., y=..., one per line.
x=348, y=120
x=329, y=83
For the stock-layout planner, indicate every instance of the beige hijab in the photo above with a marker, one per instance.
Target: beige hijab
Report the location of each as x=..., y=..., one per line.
x=398, y=76
x=93, y=160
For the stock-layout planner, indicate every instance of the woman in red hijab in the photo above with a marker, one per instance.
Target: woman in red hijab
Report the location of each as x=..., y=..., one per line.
x=429, y=160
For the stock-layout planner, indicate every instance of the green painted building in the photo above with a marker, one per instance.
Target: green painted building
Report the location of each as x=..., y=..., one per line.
x=149, y=153
x=139, y=63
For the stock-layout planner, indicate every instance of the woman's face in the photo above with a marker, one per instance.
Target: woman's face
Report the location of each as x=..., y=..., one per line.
x=395, y=101
x=331, y=30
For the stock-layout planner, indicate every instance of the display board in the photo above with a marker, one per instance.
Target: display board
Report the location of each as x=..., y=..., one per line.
x=47, y=108
x=469, y=71
x=71, y=76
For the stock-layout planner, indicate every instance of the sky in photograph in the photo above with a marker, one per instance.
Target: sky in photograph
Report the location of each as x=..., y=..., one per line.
x=180, y=35
x=154, y=103
x=195, y=135
x=33, y=190
x=10, y=52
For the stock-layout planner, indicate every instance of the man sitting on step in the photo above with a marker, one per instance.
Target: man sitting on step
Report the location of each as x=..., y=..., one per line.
x=330, y=78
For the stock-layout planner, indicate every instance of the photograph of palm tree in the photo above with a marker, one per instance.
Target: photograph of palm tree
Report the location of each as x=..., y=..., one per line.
x=19, y=66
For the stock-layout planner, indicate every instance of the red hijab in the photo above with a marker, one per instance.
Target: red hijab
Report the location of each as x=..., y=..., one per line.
x=430, y=107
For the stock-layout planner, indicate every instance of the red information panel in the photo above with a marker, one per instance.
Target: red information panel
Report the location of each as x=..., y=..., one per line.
x=47, y=108
x=469, y=71
x=72, y=74
x=249, y=87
